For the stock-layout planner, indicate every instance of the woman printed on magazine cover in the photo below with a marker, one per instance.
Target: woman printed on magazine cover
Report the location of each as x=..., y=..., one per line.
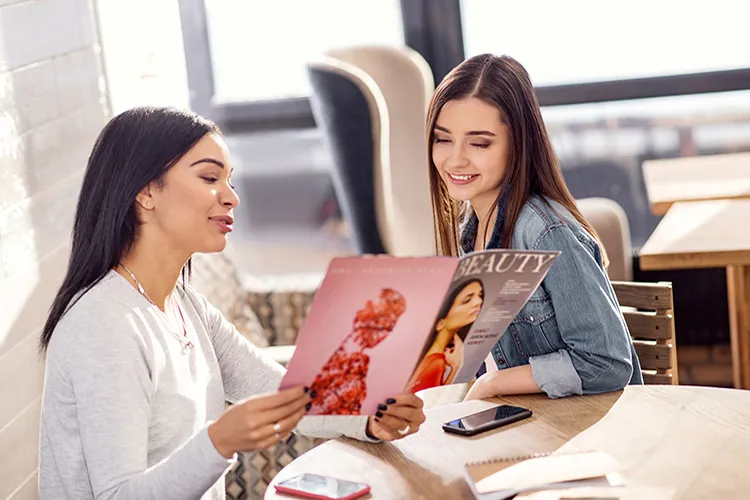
x=443, y=359
x=138, y=364
x=494, y=173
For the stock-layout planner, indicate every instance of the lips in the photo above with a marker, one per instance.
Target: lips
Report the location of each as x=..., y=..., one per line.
x=224, y=222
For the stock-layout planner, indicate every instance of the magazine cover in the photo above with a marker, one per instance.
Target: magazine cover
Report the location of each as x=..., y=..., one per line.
x=365, y=329
x=488, y=290
x=380, y=326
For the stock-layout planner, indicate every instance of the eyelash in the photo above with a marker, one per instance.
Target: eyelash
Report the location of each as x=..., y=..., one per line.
x=212, y=180
x=480, y=146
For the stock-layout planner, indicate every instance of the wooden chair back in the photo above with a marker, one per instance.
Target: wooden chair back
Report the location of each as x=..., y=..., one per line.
x=647, y=308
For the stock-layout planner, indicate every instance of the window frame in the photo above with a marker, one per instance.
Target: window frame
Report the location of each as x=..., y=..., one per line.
x=250, y=115
x=434, y=29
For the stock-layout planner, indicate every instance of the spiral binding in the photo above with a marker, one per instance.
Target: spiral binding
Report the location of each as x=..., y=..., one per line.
x=521, y=458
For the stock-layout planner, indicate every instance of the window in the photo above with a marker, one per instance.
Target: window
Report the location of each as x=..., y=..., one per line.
x=148, y=68
x=579, y=41
x=259, y=48
x=591, y=56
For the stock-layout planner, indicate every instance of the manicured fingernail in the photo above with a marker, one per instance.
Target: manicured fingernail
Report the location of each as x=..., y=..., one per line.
x=390, y=401
x=313, y=394
x=308, y=406
x=307, y=389
x=377, y=420
x=379, y=414
x=382, y=407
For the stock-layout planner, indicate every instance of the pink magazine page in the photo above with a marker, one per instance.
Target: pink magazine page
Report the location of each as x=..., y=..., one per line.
x=366, y=329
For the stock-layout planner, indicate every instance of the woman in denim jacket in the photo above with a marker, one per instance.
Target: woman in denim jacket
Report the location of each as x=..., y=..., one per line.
x=496, y=183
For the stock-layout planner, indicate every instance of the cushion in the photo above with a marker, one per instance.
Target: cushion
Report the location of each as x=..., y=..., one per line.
x=215, y=276
x=281, y=303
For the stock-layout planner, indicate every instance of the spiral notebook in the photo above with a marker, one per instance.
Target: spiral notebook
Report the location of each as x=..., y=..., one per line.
x=505, y=477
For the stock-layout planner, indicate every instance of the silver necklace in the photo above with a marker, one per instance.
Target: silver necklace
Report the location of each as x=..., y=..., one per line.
x=186, y=344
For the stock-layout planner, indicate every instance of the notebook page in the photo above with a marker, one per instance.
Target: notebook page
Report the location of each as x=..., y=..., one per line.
x=537, y=472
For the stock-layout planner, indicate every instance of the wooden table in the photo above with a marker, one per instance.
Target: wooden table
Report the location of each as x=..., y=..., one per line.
x=693, y=440
x=711, y=234
x=713, y=177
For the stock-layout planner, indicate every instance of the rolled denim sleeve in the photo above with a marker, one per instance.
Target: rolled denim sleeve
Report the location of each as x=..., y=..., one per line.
x=597, y=357
x=555, y=374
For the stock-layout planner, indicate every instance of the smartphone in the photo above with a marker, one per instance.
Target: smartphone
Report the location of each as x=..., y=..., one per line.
x=486, y=420
x=322, y=487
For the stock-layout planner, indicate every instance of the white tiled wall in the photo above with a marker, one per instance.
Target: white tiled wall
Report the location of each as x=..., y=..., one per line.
x=52, y=106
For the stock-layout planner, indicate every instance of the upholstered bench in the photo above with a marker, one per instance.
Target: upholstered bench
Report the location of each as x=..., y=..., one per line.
x=269, y=311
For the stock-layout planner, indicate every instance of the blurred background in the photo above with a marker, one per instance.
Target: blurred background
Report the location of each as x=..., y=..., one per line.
x=620, y=83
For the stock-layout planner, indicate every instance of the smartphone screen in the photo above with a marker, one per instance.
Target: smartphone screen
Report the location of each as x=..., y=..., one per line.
x=323, y=486
x=490, y=418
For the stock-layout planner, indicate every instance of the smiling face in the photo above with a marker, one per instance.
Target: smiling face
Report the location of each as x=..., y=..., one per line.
x=191, y=208
x=470, y=150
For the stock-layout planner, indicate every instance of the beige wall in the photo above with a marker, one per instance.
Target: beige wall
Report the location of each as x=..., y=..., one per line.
x=51, y=108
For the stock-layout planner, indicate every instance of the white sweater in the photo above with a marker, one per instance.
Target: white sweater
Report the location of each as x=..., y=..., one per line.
x=125, y=410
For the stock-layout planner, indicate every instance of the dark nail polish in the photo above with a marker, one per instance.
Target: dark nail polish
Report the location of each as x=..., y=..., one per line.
x=308, y=406
x=382, y=407
x=379, y=414
x=390, y=401
x=313, y=394
x=377, y=420
x=307, y=389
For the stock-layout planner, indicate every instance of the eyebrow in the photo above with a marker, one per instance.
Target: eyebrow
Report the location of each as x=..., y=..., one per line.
x=208, y=160
x=470, y=132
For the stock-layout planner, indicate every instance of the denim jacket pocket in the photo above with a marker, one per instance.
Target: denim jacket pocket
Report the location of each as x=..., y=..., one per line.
x=531, y=327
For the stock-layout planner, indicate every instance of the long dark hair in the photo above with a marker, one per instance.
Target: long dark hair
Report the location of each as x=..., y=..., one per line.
x=448, y=304
x=532, y=165
x=134, y=149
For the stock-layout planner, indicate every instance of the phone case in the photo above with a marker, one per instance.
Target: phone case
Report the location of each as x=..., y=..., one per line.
x=305, y=494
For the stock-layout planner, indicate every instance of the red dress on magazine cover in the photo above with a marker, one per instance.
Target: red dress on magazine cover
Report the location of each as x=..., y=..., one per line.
x=341, y=384
x=432, y=371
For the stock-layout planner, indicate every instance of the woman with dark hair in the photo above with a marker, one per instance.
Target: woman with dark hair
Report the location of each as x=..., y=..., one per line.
x=442, y=360
x=138, y=364
x=493, y=171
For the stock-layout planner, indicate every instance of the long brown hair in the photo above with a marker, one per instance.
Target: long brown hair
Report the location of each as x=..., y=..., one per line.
x=532, y=165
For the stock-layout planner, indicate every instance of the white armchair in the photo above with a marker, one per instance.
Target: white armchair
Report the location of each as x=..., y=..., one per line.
x=611, y=223
x=402, y=83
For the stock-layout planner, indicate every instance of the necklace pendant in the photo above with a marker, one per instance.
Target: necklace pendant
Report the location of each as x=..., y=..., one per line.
x=186, y=347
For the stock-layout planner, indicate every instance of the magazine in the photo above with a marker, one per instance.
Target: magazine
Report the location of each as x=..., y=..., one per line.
x=381, y=325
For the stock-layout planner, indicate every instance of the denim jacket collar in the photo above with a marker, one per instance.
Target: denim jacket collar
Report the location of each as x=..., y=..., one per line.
x=470, y=227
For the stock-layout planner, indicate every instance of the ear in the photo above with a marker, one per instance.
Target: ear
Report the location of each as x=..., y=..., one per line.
x=440, y=324
x=145, y=199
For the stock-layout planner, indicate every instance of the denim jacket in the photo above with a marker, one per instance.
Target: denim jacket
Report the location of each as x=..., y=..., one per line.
x=571, y=330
